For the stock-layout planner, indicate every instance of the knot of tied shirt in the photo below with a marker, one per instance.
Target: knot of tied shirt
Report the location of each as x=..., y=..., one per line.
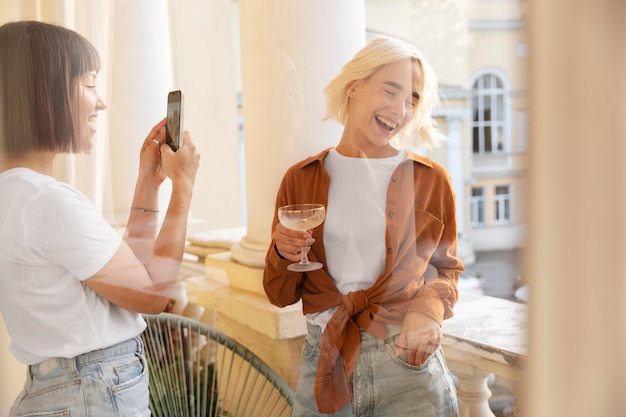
x=355, y=302
x=339, y=351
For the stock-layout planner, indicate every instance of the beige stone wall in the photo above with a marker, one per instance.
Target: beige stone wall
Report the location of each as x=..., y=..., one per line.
x=12, y=375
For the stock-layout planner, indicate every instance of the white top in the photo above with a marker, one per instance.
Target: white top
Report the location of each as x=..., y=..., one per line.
x=51, y=238
x=355, y=224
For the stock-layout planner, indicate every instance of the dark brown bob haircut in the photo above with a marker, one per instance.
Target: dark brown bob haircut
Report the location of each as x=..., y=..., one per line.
x=39, y=66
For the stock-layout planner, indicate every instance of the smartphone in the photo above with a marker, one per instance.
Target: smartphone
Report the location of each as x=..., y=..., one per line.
x=174, y=129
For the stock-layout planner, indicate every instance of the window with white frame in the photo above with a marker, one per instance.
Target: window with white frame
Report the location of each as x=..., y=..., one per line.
x=489, y=116
x=477, y=206
x=502, y=201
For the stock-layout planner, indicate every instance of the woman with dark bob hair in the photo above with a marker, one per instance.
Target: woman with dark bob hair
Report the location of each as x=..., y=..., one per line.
x=72, y=288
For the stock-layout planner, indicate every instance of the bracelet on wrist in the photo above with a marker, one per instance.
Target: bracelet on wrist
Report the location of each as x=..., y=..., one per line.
x=144, y=210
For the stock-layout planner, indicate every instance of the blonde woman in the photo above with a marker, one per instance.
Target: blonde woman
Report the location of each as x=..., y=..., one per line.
x=374, y=322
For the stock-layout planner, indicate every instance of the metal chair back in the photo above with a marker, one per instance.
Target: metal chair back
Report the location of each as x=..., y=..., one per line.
x=198, y=371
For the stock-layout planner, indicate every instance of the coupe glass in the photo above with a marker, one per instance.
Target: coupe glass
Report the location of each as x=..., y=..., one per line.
x=302, y=217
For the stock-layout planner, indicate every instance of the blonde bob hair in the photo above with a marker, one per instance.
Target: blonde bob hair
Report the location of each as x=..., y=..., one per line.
x=421, y=131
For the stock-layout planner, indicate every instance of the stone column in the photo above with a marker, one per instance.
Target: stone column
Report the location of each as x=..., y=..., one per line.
x=289, y=52
x=577, y=178
x=454, y=122
x=205, y=60
x=455, y=164
x=139, y=76
x=473, y=391
x=14, y=10
x=86, y=171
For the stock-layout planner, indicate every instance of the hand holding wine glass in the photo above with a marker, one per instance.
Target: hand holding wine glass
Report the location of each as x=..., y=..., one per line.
x=302, y=217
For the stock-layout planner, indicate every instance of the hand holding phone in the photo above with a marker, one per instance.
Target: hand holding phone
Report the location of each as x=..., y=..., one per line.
x=174, y=130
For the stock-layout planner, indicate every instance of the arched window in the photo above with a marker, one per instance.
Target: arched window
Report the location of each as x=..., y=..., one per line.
x=489, y=115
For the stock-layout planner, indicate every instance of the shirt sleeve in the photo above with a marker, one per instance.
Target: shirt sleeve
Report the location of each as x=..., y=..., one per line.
x=64, y=227
x=282, y=286
x=439, y=293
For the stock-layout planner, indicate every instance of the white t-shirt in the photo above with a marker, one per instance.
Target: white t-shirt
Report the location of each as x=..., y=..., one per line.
x=355, y=224
x=51, y=238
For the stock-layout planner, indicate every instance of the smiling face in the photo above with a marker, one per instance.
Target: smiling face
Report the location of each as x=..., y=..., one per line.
x=86, y=102
x=380, y=106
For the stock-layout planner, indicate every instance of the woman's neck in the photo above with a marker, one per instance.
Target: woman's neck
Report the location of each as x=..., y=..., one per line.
x=354, y=151
x=355, y=144
x=39, y=161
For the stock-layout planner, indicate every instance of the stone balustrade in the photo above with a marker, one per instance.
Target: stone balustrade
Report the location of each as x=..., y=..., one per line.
x=485, y=338
x=484, y=341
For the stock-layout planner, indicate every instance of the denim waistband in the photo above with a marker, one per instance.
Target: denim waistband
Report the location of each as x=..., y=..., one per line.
x=366, y=338
x=129, y=346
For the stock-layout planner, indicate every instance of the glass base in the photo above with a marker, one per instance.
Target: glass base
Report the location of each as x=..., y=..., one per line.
x=298, y=267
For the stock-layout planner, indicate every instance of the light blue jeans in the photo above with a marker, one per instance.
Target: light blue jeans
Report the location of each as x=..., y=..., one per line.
x=108, y=382
x=382, y=384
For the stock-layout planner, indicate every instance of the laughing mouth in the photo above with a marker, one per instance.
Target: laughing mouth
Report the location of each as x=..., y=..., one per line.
x=390, y=125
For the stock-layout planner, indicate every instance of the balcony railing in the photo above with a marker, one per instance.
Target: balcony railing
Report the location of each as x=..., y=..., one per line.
x=491, y=161
x=484, y=341
x=485, y=338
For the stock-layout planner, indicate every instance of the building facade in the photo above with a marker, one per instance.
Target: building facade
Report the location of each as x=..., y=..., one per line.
x=479, y=49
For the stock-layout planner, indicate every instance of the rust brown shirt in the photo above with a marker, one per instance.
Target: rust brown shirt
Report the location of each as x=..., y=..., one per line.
x=421, y=230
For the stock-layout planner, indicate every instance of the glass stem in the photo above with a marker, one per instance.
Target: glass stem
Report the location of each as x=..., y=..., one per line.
x=304, y=259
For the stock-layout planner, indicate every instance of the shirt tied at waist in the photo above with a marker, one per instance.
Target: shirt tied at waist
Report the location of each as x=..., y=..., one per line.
x=339, y=350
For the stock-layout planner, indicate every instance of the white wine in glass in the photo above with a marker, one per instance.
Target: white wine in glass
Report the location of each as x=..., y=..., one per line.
x=302, y=217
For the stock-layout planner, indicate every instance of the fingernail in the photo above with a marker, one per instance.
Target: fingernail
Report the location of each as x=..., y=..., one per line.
x=310, y=242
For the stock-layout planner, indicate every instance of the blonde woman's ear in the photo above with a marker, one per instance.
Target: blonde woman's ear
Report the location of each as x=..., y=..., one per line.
x=351, y=88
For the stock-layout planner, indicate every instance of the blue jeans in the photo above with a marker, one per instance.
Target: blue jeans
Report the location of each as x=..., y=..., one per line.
x=382, y=384
x=108, y=382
